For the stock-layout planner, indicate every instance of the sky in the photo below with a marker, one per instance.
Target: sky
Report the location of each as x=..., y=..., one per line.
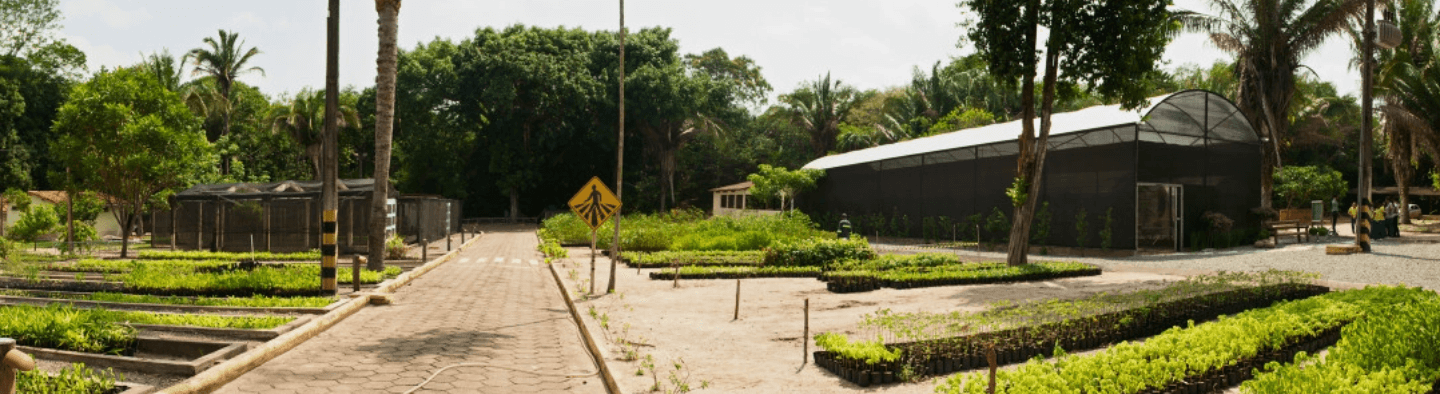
x=865, y=43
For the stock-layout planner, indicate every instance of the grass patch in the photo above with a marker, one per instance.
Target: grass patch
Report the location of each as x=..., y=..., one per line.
x=313, y=255
x=257, y=301
x=74, y=379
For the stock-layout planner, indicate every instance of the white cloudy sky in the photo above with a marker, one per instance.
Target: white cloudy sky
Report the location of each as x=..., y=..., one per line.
x=867, y=43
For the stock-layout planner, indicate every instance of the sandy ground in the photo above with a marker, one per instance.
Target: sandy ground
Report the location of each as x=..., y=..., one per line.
x=762, y=351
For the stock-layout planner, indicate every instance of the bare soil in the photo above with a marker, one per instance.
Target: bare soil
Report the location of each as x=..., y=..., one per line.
x=762, y=351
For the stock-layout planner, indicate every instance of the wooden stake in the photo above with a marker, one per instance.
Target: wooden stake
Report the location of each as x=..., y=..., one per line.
x=737, y=299
x=592, y=261
x=990, y=357
x=806, y=339
x=676, y=285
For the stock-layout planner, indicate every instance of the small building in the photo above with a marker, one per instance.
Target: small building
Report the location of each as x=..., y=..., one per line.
x=106, y=225
x=1156, y=171
x=734, y=200
x=285, y=217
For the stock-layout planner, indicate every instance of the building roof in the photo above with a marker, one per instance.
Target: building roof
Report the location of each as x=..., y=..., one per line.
x=273, y=189
x=60, y=197
x=1184, y=109
x=736, y=187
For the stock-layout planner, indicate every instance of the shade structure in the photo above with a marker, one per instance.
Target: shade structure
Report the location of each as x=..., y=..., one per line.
x=1155, y=170
x=285, y=217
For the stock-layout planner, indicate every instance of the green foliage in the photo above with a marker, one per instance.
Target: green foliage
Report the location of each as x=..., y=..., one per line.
x=261, y=280
x=1107, y=232
x=1082, y=229
x=1296, y=186
x=777, y=183
x=998, y=225
x=687, y=230
x=552, y=250
x=1183, y=352
x=61, y=326
x=212, y=321
x=1040, y=231
x=33, y=224
x=8, y=248
x=870, y=351
x=745, y=272
x=73, y=379
x=18, y=199
x=704, y=258
x=313, y=255
x=962, y=118
x=395, y=247
x=1018, y=192
x=84, y=234
x=818, y=252
x=256, y=301
x=1390, y=351
x=975, y=219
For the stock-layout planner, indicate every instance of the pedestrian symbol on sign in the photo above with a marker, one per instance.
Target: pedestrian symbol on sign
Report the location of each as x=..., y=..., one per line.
x=594, y=204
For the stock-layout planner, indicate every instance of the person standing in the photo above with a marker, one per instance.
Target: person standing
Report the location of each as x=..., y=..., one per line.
x=1334, y=214
x=1354, y=210
x=844, y=231
x=1392, y=218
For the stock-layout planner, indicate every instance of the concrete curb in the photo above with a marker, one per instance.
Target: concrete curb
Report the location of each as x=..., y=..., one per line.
x=610, y=385
x=226, y=372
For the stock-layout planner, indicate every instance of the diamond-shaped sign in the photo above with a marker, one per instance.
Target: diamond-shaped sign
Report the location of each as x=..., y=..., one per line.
x=594, y=204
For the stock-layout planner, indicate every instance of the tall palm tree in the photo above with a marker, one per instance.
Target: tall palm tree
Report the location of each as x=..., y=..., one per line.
x=386, y=60
x=224, y=60
x=819, y=108
x=1268, y=38
x=1400, y=72
x=165, y=68
x=304, y=119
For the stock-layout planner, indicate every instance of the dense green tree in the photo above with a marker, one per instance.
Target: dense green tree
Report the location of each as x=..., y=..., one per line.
x=128, y=137
x=1105, y=45
x=14, y=170
x=779, y=183
x=42, y=91
x=749, y=84
x=433, y=147
x=1268, y=38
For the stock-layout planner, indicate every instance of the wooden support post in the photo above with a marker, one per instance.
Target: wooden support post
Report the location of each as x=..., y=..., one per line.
x=307, y=224
x=592, y=262
x=990, y=358
x=424, y=251
x=806, y=339
x=268, y=214
x=737, y=299
x=676, y=279
x=174, y=224
x=350, y=240
x=220, y=226
x=355, y=263
x=200, y=227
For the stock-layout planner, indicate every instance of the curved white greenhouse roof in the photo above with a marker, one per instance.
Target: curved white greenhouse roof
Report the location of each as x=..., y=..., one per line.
x=1193, y=113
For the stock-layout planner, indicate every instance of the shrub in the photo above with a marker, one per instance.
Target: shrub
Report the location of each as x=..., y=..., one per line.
x=84, y=233
x=74, y=379
x=34, y=223
x=1082, y=229
x=1296, y=186
x=395, y=247
x=818, y=252
x=1040, y=232
x=1107, y=232
x=976, y=219
x=998, y=225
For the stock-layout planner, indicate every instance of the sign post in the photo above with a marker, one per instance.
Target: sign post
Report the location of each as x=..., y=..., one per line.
x=594, y=204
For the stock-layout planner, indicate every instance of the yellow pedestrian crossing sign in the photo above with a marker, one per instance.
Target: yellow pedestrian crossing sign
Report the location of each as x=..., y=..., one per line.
x=594, y=204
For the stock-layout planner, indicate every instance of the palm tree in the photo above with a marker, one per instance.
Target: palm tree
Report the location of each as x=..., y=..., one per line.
x=165, y=69
x=384, y=125
x=1268, y=38
x=819, y=108
x=1401, y=72
x=304, y=119
x=224, y=60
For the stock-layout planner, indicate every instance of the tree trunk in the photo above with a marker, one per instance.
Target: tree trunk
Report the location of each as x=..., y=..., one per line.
x=1026, y=161
x=514, y=203
x=1267, y=177
x=667, y=178
x=1019, y=247
x=619, y=159
x=312, y=152
x=384, y=124
x=1403, y=172
x=125, y=234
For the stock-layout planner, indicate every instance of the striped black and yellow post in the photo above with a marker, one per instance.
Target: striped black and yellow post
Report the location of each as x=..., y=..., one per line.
x=328, y=252
x=1362, y=227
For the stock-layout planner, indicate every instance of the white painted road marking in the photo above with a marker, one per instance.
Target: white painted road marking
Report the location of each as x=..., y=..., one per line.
x=533, y=262
x=515, y=261
x=464, y=259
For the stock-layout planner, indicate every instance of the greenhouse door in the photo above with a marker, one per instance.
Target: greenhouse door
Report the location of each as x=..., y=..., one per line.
x=1159, y=209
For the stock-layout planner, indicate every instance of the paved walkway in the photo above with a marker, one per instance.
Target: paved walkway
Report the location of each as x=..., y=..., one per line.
x=496, y=304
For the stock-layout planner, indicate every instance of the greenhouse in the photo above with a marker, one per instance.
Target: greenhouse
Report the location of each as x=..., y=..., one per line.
x=1156, y=171
x=285, y=217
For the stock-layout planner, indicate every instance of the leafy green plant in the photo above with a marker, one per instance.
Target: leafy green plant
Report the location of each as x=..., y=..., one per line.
x=817, y=252
x=395, y=248
x=974, y=220
x=34, y=223
x=685, y=258
x=313, y=255
x=1107, y=232
x=1082, y=230
x=1296, y=186
x=998, y=225
x=1018, y=192
x=72, y=379
x=257, y=301
x=1040, y=231
x=869, y=351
